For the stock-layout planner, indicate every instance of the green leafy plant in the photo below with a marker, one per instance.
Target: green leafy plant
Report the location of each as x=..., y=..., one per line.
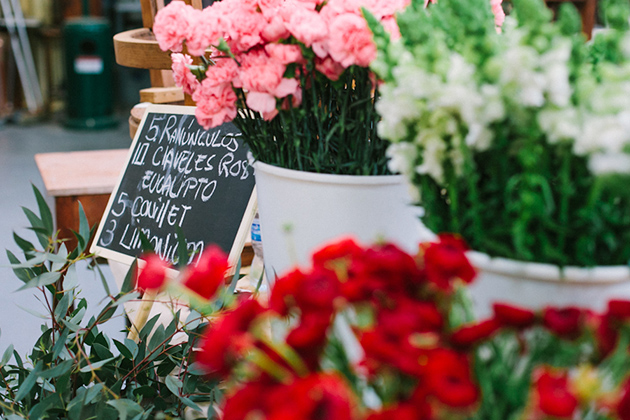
x=75, y=371
x=517, y=139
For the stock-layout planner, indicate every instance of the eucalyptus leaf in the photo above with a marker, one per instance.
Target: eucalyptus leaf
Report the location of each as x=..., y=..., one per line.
x=126, y=408
x=43, y=279
x=24, y=245
x=29, y=382
x=6, y=356
x=59, y=370
x=44, y=211
x=38, y=226
x=94, y=366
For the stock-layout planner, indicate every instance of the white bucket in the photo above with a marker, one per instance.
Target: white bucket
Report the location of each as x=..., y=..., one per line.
x=536, y=285
x=301, y=211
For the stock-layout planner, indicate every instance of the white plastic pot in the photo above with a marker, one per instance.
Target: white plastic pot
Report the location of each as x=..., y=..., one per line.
x=536, y=285
x=301, y=211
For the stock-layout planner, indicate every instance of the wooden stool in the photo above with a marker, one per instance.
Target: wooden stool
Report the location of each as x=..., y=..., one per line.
x=88, y=177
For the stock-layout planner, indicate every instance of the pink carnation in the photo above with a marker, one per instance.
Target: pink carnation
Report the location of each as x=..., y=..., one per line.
x=245, y=30
x=275, y=30
x=215, y=104
x=385, y=8
x=223, y=72
x=171, y=25
x=329, y=68
x=307, y=26
x=205, y=28
x=391, y=26
x=264, y=103
x=353, y=43
x=284, y=53
x=259, y=72
x=182, y=74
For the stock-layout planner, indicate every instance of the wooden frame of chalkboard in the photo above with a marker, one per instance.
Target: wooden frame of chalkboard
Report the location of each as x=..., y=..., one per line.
x=179, y=176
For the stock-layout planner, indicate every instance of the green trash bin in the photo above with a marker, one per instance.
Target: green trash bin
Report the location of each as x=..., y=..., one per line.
x=89, y=56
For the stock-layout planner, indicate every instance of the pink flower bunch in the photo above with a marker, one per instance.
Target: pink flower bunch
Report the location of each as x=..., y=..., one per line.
x=270, y=44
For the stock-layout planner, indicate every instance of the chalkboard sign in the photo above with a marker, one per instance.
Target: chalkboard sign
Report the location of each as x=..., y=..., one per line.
x=179, y=175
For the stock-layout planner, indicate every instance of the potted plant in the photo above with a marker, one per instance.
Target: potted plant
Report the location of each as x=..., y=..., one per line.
x=294, y=77
x=518, y=140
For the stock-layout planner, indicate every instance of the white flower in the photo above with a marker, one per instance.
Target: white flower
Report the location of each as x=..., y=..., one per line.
x=606, y=134
x=559, y=124
x=479, y=137
x=402, y=157
x=432, y=156
x=606, y=163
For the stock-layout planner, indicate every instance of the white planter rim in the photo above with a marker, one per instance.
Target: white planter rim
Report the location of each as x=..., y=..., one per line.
x=549, y=272
x=327, y=178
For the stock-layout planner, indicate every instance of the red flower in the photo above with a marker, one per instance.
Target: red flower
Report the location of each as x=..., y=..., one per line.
x=310, y=292
x=565, y=322
x=209, y=273
x=446, y=260
x=314, y=397
x=153, y=275
x=448, y=379
x=408, y=317
x=472, y=334
x=513, y=316
x=308, y=338
x=402, y=411
x=343, y=249
x=282, y=297
x=553, y=394
x=225, y=341
x=619, y=309
x=623, y=406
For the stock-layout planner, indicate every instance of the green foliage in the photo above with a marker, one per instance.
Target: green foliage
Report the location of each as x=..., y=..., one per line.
x=74, y=370
x=497, y=130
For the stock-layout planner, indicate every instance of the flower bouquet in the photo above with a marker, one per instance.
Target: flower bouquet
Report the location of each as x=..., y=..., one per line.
x=375, y=333
x=293, y=76
x=517, y=139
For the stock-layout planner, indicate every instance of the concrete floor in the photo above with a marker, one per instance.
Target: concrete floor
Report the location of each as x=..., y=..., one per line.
x=18, y=145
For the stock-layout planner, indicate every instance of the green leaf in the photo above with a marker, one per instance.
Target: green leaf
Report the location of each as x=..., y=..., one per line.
x=147, y=246
x=38, y=259
x=71, y=280
x=24, y=245
x=132, y=346
x=43, y=279
x=62, y=254
x=127, y=354
x=23, y=274
x=173, y=384
x=38, y=226
x=6, y=356
x=128, y=283
x=44, y=211
x=59, y=370
x=60, y=344
x=94, y=366
x=84, y=228
x=148, y=327
x=63, y=305
x=125, y=408
x=29, y=382
x=125, y=298
x=189, y=403
x=103, y=280
x=157, y=338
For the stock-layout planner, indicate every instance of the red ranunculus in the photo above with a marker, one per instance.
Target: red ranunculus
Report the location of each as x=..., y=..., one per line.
x=513, y=316
x=619, y=309
x=565, y=322
x=314, y=397
x=246, y=400
x=208, y=275
x=308, y=338
x=317, y=291
x=474, y=333
x=605, y=333
x=153, y=275
x=225, y=341
x=346, y=248
x=623, y=406
x=384, y=350
x=402, y=411
x=448, y=378
x=446, y=261
x=409, y=316
x=282, y=297
x=553, y=394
